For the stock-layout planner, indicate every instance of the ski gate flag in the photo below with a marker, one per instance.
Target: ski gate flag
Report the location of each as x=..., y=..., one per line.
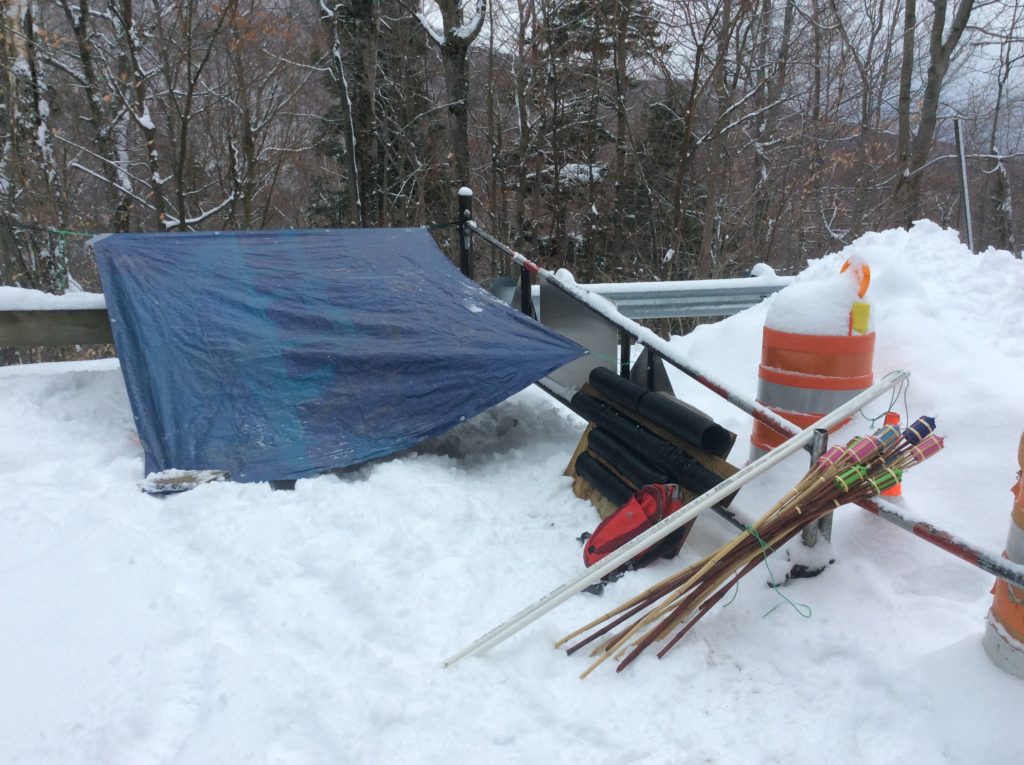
x=280, y=354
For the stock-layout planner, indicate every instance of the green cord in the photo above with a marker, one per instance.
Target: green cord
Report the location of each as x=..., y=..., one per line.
x=63, y=232
x=765, y=547
x=68, y=232
x=899, y=392
x=735, y=592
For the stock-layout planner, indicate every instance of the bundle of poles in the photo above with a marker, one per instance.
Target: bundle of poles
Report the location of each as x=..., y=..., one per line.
x=864, y=467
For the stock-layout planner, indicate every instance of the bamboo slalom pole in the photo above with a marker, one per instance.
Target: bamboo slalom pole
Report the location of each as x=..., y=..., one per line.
x=865, y=466
x=666, y=526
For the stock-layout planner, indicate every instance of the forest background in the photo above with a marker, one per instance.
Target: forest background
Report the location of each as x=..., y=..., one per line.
x=622, y=139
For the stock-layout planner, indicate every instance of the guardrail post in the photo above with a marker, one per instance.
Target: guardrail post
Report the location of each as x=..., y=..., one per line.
x=465, y=231
x=817, y=534
x=525, y=292
x=810, y=534
x=625, y=345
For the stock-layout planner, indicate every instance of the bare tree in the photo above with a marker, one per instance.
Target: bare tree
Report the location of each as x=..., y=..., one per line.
x=914, y=147
x=868, y=35
x=30, y=182
x=772, y=73
x=352, y=31
x=254, y=130
x=461, y=22
x=107, y=118
x=998, y=201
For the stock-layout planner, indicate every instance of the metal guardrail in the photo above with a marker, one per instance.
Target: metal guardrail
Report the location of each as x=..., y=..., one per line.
x=677, y=300
x=74, y=326
x=636, y=300
x=670, y=300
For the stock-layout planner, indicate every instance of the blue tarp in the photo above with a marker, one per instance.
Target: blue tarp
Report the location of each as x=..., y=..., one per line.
x=281, y=354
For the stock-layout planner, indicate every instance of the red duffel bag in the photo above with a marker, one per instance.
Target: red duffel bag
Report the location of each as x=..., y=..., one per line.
x=648, y=506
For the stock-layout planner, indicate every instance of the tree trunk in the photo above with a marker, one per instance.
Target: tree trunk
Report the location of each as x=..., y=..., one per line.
x=458, y=35
x=940, y=54
x=355, y=75
x=773, y=89
x=99, y=114
x=620, y=52
x=28, y=172
x=526, y=15
x=999, y=199
x=716, y=163
x=454, y=55
x=365, y=35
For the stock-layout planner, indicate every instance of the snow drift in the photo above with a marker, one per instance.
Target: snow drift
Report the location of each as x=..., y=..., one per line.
x=236, y=624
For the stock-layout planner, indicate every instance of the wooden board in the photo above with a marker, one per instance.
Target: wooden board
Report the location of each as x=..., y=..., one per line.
x=177, y=481
x=582, y=489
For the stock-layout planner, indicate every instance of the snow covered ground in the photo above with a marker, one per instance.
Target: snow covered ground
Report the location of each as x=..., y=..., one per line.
x=235, y=624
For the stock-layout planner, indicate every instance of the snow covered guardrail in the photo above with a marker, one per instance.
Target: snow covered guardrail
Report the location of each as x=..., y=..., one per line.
x=700, y=297
x=33, y=318
x=30, y=318
x=682, y=299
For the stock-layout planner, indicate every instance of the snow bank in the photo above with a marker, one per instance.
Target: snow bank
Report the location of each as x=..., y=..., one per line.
x=236, y=624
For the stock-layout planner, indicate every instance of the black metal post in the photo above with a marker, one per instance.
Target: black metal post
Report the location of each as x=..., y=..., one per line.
x=652, y=358
x=465, y=232
x=526, y=292
x=625, y=344
x=810, y=534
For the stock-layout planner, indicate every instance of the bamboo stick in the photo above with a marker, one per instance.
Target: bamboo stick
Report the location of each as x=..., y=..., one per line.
x=673, y=607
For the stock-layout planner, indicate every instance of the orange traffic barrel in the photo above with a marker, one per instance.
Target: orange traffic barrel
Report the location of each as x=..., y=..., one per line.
x=802, y=377
x=1004, y=628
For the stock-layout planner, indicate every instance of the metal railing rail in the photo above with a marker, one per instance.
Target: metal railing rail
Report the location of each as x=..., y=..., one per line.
x=635, y=300
x=682, y=300
x=49, y=328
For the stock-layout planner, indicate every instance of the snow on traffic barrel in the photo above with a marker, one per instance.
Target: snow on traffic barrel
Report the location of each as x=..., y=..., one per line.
x=817, y=351
x=1004, y=628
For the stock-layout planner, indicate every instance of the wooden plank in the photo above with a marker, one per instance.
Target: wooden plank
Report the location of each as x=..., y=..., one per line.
x=177, y=481
x=84, y=326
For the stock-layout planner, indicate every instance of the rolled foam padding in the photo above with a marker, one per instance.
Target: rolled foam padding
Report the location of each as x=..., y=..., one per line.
x=687, y=422
x=622, y=392
x=651, y=448
x=587, y=407
x=606, y=483
x=696, y=477
x=673, y=415
x=614, y=452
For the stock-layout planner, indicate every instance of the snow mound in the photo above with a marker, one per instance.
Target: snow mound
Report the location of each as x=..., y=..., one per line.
x=234, y=623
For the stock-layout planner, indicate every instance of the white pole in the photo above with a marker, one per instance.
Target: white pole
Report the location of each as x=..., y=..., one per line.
x=662, y=529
